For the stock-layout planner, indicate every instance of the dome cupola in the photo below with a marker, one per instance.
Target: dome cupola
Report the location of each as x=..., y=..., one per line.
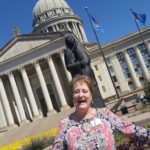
x=49, y=9
x=54, y=16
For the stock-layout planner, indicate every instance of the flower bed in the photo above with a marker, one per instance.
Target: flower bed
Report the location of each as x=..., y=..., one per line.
x=49, y=135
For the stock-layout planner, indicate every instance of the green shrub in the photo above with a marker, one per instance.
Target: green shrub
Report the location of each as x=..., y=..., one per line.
x=147, y=89
x=119, y=137
x=145, y=108
x=48, y=141
x=36, y=144
x=39, y=143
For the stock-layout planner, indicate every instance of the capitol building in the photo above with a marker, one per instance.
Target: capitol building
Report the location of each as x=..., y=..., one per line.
x=34, y=82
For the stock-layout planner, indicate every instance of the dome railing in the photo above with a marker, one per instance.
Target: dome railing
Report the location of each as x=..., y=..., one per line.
x=53, y=13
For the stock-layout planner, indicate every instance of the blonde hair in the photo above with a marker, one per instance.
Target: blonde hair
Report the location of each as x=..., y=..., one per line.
x=82, y=79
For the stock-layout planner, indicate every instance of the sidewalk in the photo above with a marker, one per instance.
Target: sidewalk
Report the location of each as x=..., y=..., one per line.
x=138, y=118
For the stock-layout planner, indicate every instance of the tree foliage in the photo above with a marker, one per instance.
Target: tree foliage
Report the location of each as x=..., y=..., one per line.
x=147, y=89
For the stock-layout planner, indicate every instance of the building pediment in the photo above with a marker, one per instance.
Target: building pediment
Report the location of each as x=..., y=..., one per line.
x=27, y=49
x=20, y=46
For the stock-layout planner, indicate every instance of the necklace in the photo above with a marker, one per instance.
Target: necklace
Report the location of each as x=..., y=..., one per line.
x=86, y=126
x=90, y=122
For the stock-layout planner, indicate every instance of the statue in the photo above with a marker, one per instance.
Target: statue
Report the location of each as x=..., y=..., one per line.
x=77, y=61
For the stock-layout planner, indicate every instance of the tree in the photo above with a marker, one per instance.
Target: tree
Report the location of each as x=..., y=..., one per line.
x=147, y=89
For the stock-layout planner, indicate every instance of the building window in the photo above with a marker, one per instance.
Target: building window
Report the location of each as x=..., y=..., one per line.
x=134, y=61
x=104, y=89
x=46, y=15
x=114, y=78
x=142, y=81
x=111, y=69
x=131, y=85
x=61, y=27
x=120, y=56
x=54, y=12
x=70, y=25
x=118, y=89
x=127, y=75
x=99, y=77
x=39, y=19
x=96, y=67
x=145, y=55
x=50, y=29
x=108, y=61
x=123, y=65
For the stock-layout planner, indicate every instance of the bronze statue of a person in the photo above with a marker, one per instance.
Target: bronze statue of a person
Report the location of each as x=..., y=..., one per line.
x=77, y=61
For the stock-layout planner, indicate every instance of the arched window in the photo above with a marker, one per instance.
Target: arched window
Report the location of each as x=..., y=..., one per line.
x=142, y=81
x=131, y=85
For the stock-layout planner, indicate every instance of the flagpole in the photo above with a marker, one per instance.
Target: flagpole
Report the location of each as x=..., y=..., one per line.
x=86, y=8
x=141, y=35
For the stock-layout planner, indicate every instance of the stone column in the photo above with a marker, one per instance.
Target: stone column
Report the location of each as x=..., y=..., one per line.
x=6, y=104
x=17, y=112
x=29, y=92
x=79, y=32
x=57, y=29
x=17, y=97
x=75, y=29
x=131, y=69
x=46, y=30
x=80, y=37
x=3, y=122
x=44, y=87
x=142, y=63
x=148, y=46
x=57, y=83
x=68, y=26
x=54, y=28
x=68, y=75
x=118, y=71
x=83, y=33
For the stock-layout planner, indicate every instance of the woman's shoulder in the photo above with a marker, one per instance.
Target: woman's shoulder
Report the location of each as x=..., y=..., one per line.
x=67, y=120
x=103, y=111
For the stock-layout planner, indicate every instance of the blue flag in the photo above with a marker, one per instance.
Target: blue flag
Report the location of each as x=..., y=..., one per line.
x=96, y=24
x=139, y=17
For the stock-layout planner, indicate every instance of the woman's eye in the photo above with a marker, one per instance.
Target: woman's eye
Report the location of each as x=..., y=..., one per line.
x=85, y=91
x=76, y=91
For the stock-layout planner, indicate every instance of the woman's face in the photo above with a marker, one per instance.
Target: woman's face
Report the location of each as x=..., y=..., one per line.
x=82, y=95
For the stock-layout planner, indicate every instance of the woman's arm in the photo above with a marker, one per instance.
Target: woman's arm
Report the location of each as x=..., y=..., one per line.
x=129, y=129
x=59, y=142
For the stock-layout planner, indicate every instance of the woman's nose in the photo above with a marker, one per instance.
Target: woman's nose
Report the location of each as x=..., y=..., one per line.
x=81, y=94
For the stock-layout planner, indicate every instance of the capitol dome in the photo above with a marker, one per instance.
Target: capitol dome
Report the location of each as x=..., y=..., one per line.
x=56, y=16
x=48, y=9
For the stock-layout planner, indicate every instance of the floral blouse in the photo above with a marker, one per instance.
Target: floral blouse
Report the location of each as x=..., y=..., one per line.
x=95, y=133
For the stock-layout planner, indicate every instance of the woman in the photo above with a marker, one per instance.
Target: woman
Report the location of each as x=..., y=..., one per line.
x=89, y=128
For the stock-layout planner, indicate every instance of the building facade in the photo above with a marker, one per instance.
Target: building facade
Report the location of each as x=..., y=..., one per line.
x=128, y=60
x=34, y=82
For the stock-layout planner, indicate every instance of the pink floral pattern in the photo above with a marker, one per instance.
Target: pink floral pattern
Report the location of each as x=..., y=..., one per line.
x=95, y=133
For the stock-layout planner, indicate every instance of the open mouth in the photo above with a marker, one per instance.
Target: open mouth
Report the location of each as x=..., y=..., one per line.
x=81, y=101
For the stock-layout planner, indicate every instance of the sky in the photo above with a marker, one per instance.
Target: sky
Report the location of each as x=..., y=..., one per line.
x=113, y=16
